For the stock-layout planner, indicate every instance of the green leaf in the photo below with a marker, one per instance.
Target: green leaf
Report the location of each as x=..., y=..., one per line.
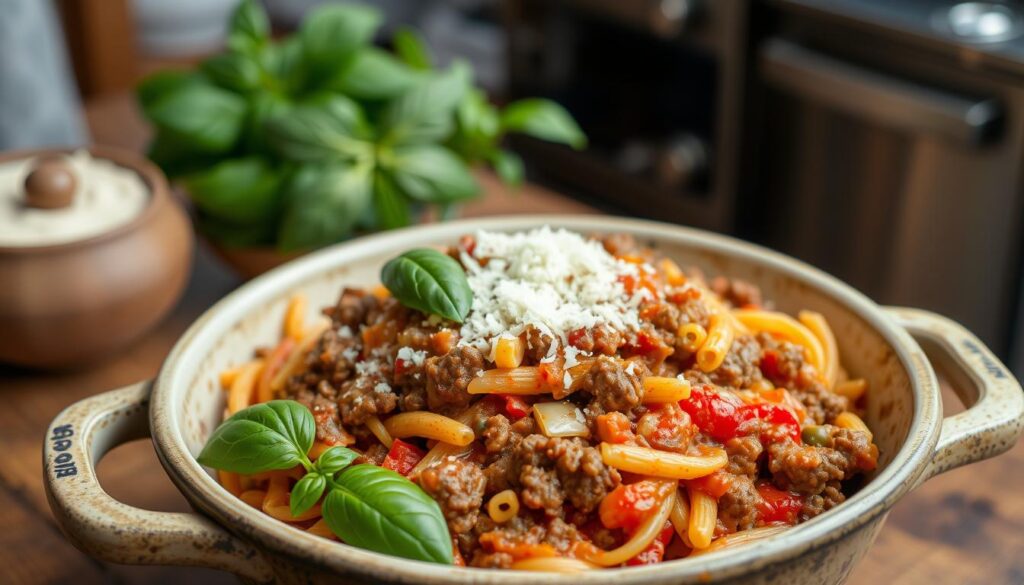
x=306, y=492
x=392, y=209
x=324, y=203
x=411, y=49
x=429, y=281
x=509, y=166
x=377, y=509
x=331, y=32
x=272, y=435
x=425, y=113
x=204, y=117
x=232, y=70
x=242, y=190
x=154, y=87
x=232, y=235
x=478, y=126
x=249, y=27
x=263, y=107
x=543, y=119
x=372, y=74
x=335, y=459
x=432, y=174
x=285, y=69
x=332, y=129
x=175, y=157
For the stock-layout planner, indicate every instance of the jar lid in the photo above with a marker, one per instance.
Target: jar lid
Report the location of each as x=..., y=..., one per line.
x=57, y=199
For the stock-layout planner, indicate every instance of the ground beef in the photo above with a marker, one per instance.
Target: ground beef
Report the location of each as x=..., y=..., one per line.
x=416, y=337
x=613, y=387
x=743, y=455
x=325, y=414
x=499, y=474
x=538, y=344
x=737, y=508
x=449, y=375
x=740, y=368
x=495, y=541
x=829, y=498
x=668, y=428
x=856, y=447
x=497, y=433
x=821, y=404
x=363, y=397
x=458, y=487
x=374, y=455
x=805, y=469
x=351, y=308
x=600, y=340
x=738, y=293
x=551, y=470
x=666, y=316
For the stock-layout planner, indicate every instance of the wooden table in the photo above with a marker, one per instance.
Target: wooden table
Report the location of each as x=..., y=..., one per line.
x=953, y=530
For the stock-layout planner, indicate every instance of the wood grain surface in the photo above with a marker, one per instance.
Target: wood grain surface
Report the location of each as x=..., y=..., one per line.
x=965, y=527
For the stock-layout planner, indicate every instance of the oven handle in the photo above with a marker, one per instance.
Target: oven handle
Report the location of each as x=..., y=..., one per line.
x=884, y=99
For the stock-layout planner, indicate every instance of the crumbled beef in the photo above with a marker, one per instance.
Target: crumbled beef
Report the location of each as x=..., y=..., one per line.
x=829, y=498
x=551, y=470
x=538, y=344
x=458, y=487
x=325, y=414
x=614, y=385
x=599, y=340
x=351, y=308
x=856, y=447
x=491, y=544
x=667, y=428
x=497, y=432
x=363, y=397
x=448, y=377
x=737, y=507
x=805, y=469
x=666, y=316
x=373, y=455
x=821, y=404
x=743, y=455
x=736, y=292
x=740, y=368
x=416, y=337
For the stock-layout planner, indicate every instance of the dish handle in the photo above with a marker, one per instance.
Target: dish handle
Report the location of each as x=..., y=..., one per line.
x=113, y=531
x=994, y=419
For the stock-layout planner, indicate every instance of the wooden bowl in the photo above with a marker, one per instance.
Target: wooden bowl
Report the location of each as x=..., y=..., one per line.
x=68, y=304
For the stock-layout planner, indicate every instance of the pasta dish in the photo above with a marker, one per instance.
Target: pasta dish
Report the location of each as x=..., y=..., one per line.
x=565, y=403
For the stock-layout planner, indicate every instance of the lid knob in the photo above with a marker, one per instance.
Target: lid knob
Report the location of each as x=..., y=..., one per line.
x=50, y=185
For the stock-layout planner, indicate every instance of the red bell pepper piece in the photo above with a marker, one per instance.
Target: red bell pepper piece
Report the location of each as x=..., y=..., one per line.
x=515, y=407
x=783, y=421
x=402, y=457
x=722, y=415
x=778, y=506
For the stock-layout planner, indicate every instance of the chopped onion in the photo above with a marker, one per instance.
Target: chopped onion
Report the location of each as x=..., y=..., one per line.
x=560, y=419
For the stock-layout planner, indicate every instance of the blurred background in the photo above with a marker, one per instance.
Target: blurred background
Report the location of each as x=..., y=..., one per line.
x=880, y=140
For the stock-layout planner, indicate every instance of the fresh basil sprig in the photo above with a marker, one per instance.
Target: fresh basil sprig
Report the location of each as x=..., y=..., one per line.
x=305, y=141
x=366, y=506
x=429, y=281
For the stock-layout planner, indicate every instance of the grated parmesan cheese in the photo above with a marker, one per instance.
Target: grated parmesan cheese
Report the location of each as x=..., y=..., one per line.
x=414, y=356
x=382, y=388
x=345, y=331
x=553, y=280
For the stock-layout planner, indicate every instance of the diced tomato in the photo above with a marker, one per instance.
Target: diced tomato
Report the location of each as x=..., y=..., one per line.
x=714, y=413
x=628, y=505
x=628, y=282
x=400, y=365
x=770, y=364
x=551, y=374
x=614, y=427
x=468, y=243
x=782, y=420
x=515, y=407
x=576, y=336
x=777, y=505
x=714, y=485
x=402, y=457
x=655, y=551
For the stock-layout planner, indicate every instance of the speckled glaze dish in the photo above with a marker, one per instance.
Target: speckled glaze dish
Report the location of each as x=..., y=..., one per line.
x=185, y=403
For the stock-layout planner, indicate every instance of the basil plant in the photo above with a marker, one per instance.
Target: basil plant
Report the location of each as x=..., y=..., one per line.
x=303, y=141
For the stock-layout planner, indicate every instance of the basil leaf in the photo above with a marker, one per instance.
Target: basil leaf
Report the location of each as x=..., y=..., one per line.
x=263, y=107
x=323, y=204
x=411, y=49
x=508, y=165
x=478, y=126
x=249, y=27
x=372, y=74
x=432, y=173
x=335, y=459
x=430, y=281
x=425, y=112
x=331, y=32
x=306, y=492
x=205, y=117
x=286, y=71
x=391, y=208
x=243, y=190
x=272, y=435
x=377, y=509
x=175, y=157
x=332, y=128
x=151, y=89
x=543, y=119
x=232, y=70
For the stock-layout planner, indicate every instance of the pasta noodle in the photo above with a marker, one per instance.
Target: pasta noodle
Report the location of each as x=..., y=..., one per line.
x=830, y=352
x=379, y=430
x=662, y=463
x=703, y=517
x=271, y=365
x=645, y=533
x=716, y=346
x=294, y=361
x=294, y=317
x=658, y=389
x=671, y=272
x=276, y=502
x=786, y=327
x=553, y=565
x=231, y=481
x=849, y=420
x=737, y=538
x=244, y=386
x=852, y=389
x=503, y=506
x=254, y=498
x=445, y=450
x=429, y=425
x=680, y=518
x=508, y=352
x=692, y=336
x=320, y=528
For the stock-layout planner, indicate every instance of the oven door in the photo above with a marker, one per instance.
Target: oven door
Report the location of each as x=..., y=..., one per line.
x=906, y=186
